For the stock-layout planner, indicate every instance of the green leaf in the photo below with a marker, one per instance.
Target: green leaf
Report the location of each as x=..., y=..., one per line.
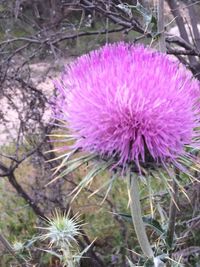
x=148, y=221
x=126, y=217
x=153, y=224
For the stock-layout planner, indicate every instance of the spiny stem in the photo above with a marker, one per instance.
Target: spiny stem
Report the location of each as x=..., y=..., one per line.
x=136, y=214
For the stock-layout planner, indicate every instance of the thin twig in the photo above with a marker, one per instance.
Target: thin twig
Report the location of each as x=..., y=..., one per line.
x=162, y=45
x=10, y=249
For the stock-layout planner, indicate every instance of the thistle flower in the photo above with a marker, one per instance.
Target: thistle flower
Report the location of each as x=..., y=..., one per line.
x=129, y=103
x=61, y=230
x=130, y=106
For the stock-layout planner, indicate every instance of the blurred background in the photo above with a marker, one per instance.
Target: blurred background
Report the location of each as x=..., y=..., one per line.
x=37, y=39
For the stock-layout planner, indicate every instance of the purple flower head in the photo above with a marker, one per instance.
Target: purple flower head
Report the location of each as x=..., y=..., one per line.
x=130, y=103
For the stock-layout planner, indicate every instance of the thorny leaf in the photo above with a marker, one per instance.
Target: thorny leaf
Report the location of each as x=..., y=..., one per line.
x=147, y=220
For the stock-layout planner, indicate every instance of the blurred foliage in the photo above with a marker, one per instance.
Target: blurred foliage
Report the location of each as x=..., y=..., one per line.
x=18, y=222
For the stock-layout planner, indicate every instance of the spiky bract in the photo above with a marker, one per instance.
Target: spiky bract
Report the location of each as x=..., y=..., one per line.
x=61, y=230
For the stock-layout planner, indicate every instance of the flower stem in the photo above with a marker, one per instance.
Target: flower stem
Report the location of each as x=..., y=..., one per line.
x=172, y=214
x=136, y=214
